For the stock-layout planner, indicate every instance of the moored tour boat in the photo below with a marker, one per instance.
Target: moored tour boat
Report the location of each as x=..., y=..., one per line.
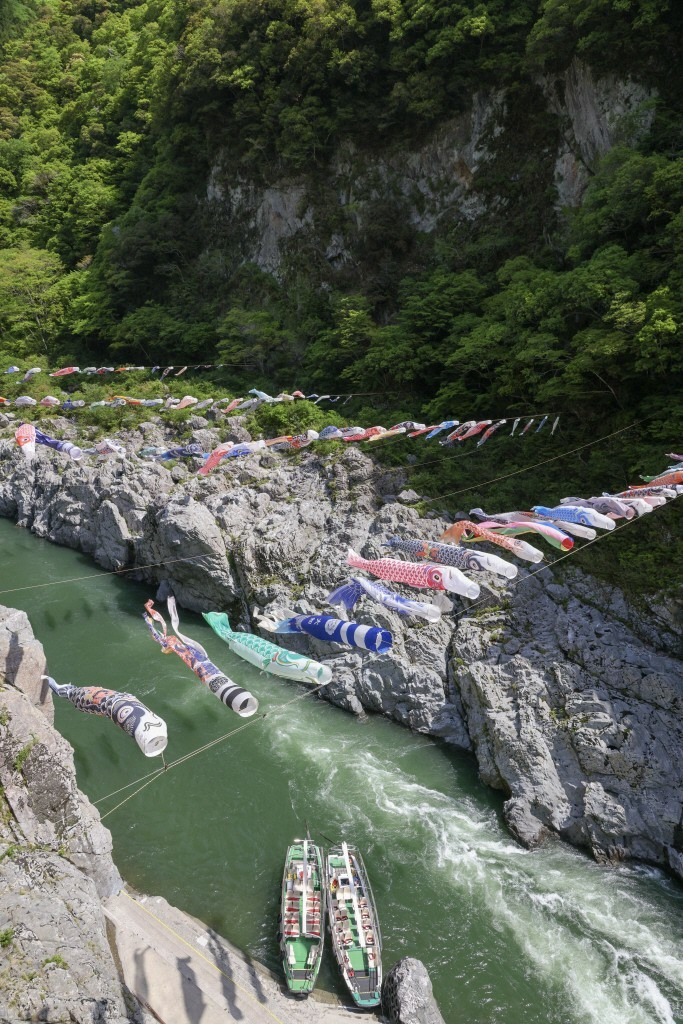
x=356, y=939
x=302, y=918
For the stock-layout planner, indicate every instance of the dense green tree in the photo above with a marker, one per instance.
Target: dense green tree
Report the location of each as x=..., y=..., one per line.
x=112, y=114
x=33, y=305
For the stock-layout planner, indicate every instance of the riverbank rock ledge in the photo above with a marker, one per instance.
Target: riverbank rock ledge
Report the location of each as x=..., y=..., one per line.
x=407, y=995
x=56, y=963
x=569, y=697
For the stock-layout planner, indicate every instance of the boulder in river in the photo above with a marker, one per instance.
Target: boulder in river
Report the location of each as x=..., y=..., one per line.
x=407, y=996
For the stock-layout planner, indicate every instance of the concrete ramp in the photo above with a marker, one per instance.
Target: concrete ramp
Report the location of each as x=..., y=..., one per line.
x=186, y=974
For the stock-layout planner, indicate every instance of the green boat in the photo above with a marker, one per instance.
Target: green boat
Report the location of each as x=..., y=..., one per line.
x=356, y=939
x=302, y=916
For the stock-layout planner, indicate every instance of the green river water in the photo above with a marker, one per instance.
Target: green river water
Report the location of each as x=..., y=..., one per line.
x=508, y=936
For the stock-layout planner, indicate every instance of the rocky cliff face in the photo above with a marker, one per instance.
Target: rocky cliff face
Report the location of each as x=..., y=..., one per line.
x=431, y=186
x=56, y=963
x=576, y=718
x=569, y=697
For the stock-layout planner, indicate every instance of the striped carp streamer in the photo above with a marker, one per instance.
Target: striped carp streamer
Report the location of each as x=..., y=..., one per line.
x=325, y=627
x=265, y=655
x=452, y=554
x=459, y=530
x=438, y=577
x=350, y=592
x=147, y=729
x=196, y=658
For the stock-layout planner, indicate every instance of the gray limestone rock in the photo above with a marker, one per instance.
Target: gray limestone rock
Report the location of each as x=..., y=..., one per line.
x=577, y=721
x=407, y=995
x=39, y=782
x=56, y=963
x=22, y=660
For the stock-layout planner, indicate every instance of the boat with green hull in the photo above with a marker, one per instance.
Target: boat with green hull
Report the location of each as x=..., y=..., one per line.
x=302, y=916
x=356, y=940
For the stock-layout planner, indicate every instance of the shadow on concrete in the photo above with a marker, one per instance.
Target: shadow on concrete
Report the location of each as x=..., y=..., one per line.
x=222, y=961
x=192, y=994
x=141, y=987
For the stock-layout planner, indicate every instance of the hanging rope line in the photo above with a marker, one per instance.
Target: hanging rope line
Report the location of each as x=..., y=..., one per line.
x=526, y=469
x=191, y=558
x=152, y=776
x=100, y=575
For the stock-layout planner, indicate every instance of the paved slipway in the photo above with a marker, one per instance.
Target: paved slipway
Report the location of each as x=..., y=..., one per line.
x=184, y=972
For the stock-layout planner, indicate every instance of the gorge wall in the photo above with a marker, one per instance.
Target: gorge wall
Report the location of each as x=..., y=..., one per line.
x=323, y=220
x=569, y=697
x=56, y=962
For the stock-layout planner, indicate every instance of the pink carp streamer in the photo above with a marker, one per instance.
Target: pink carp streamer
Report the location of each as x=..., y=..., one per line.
x=437, y=577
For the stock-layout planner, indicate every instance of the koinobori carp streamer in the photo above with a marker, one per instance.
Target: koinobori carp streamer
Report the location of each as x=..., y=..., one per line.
x=264, y=654
x=25, y=436
x=147, y=729
x=453, y=554
x=326, y=627
x=350, y=592
x=196, y=658
x=437, y=577
x=509, y=524
x=464, y=529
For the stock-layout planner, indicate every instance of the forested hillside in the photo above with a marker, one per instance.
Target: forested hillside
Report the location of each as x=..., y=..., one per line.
x=113, y=115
